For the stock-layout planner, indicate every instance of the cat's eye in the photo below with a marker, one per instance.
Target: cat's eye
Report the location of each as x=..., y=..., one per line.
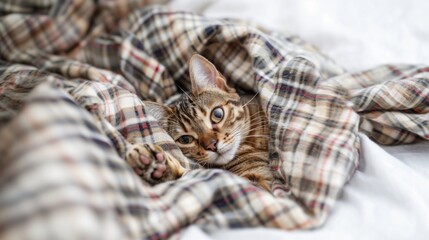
x=185, y=139
x=217, y=115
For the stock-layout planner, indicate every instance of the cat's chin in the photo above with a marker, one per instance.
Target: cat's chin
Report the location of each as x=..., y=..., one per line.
x=223, y=158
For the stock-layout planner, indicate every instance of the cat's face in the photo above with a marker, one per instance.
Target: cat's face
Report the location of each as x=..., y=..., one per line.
x=208, y=127
x=208, y=124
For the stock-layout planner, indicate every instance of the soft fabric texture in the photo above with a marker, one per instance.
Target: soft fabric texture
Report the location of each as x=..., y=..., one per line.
x=73, y=76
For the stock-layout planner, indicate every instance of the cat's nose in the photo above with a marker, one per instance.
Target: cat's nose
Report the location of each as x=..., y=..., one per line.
x=210, y=144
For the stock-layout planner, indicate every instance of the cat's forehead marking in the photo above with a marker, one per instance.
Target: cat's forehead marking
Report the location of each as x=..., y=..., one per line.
x=194, y=111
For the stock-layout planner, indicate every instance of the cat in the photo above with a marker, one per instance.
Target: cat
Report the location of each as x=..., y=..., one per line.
x=212, y=125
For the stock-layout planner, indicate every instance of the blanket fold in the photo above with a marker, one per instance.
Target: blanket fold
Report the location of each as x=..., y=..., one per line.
x=73, y=75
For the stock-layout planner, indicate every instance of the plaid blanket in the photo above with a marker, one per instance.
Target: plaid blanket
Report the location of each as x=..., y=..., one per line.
x=73, y=75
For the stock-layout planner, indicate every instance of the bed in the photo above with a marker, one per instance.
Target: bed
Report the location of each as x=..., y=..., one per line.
x=74, y=73
x=385, y=198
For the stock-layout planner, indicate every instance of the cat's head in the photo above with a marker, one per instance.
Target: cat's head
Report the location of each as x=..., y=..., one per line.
x=209, y=123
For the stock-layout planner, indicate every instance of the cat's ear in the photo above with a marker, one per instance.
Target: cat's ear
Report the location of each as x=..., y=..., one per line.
x=158, y=111
x=204, y=75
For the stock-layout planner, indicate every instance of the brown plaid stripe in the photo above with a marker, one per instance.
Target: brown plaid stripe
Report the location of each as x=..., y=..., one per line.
x=67, y=168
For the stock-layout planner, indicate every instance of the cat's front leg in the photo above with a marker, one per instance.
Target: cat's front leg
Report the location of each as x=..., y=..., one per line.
x=153, y=164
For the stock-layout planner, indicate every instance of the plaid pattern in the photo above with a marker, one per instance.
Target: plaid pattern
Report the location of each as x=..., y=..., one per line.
x=71, y=84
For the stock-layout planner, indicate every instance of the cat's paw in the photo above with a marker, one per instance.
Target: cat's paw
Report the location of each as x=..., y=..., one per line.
x=152, y=164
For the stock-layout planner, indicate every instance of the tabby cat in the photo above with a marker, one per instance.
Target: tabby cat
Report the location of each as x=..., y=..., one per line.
x=211, y=125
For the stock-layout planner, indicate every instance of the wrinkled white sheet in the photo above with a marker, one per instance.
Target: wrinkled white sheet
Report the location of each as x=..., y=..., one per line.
x=356, y=34
x=388, y=198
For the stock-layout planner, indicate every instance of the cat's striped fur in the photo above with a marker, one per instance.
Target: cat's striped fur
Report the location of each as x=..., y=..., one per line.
x=217, y=128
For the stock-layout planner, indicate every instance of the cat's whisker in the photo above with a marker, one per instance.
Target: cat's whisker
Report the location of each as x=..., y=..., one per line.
x=252, y=136
x=187, y=95
x=239, y=128
x=235, y=131
x=249, y=136
x=255, y=115
x=252, y=98
x=248, y=142
x=203, y=162
x=234, y=134
x=258, y=122
x=250, y=122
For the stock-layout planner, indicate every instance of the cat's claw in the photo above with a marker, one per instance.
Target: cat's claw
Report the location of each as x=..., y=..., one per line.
x=152, y=164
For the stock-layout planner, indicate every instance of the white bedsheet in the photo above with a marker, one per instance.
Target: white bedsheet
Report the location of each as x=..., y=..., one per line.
x=356, y=34
x=388, y=198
